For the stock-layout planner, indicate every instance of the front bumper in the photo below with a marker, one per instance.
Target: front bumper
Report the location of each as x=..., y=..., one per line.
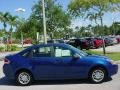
x=113, y=69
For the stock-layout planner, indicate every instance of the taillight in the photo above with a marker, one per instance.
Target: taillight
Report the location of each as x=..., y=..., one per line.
x=6, y=61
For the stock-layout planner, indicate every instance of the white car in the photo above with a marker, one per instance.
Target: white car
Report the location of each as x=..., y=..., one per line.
x=114, y=40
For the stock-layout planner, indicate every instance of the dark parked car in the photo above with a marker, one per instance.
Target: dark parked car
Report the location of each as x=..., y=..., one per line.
x=108, y=41
x=55, y=62
x=79, y=43
x=55, y=41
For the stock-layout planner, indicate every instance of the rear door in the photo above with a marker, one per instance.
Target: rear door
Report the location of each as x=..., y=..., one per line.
x=43, y=63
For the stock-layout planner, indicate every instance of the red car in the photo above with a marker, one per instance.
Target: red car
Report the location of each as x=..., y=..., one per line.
x=98, y=42
x=27, y=41
x=118, y=39
x=95, y=42
x=9, y=42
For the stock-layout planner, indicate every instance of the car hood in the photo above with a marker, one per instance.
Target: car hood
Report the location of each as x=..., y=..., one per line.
x=95, y=57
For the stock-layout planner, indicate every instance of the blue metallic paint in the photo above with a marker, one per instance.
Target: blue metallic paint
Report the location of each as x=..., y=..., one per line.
x=45, y=68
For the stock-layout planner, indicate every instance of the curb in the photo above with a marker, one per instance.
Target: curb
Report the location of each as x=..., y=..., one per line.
x=1, y=58
x=118, y=62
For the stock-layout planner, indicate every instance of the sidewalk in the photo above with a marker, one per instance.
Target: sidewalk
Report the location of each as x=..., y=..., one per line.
x=3, y=54
x=115, y=48
x=118, y=62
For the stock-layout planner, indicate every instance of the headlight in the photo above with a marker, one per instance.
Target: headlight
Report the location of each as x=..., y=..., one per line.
x=112, y=62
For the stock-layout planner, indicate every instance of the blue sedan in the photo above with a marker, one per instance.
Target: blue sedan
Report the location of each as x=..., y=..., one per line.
x=55, y=62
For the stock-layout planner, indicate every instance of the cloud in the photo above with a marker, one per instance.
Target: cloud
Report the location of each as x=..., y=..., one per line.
x=20, y=10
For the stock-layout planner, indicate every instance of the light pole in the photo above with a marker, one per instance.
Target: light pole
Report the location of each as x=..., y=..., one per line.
x=21, y=10
x=114, y=26
x=114, y=21
x=44, y=22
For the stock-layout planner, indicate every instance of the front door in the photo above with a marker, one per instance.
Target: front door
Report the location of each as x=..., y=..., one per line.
x=66, y=66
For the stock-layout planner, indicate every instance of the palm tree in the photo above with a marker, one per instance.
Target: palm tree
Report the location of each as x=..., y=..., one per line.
x=4, y=19
x=12, y=21
x=94, y=17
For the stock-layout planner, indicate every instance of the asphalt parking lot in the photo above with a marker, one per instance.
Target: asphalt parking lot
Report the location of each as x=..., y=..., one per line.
x=112, y=84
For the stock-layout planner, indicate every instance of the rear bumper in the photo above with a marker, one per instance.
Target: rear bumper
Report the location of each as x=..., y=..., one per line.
x=8, y=71
x=113, y=70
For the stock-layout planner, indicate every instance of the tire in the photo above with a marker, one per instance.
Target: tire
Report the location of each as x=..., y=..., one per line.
x=97, y=75
x=24, y=78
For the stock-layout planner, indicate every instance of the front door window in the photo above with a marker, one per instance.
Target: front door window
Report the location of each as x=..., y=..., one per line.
x=62, y=52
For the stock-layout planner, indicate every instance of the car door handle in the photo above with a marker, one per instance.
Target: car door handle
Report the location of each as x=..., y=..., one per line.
x=58, y=61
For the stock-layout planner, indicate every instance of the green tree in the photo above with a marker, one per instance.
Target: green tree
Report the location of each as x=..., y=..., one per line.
x=56, y=18
x=28, y=27
x=93, y=9
x=12, y=22
x=114, y=29
x=4, y=19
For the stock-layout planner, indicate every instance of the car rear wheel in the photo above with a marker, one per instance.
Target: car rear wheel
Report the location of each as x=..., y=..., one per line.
x=24, y=78
x=97, y=75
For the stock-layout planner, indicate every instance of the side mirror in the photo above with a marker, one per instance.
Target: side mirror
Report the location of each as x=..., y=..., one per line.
x=89, y=53
x=76, y=56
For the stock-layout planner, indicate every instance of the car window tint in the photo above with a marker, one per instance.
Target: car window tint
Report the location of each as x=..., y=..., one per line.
x=26, y=54
x=62, y=52
x=42, y=52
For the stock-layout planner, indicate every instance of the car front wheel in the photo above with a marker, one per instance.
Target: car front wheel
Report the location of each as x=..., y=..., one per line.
x=24, y=78
x=97, y=75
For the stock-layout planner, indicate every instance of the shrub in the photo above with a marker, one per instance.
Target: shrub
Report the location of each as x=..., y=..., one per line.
x=13, y=47
x=1, y=49
x=10, y=47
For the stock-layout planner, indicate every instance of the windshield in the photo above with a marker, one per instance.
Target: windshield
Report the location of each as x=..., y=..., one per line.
x=80, y=52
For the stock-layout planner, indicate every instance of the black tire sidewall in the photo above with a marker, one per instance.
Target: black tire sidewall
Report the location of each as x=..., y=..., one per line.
x=91, y=79
x=20, y=84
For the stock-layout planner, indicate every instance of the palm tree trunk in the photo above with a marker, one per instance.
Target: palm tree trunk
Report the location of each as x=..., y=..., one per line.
x=11, y=29
x=6, y=44
x=11, y=33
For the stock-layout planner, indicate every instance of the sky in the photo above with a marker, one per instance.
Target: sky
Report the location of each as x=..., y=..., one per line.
x=11, y=5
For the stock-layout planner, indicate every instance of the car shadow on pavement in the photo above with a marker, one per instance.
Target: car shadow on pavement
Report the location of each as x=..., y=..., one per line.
x=62, y=82
x=6, y=82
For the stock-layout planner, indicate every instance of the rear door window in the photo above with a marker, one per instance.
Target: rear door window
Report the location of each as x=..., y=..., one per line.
x=42, y=52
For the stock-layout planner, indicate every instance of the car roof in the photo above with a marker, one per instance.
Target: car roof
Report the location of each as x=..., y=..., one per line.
x=51, y=44
x=40, y=45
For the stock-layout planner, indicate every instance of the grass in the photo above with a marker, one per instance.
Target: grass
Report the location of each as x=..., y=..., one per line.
x=113, y=55
x=19, y=48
